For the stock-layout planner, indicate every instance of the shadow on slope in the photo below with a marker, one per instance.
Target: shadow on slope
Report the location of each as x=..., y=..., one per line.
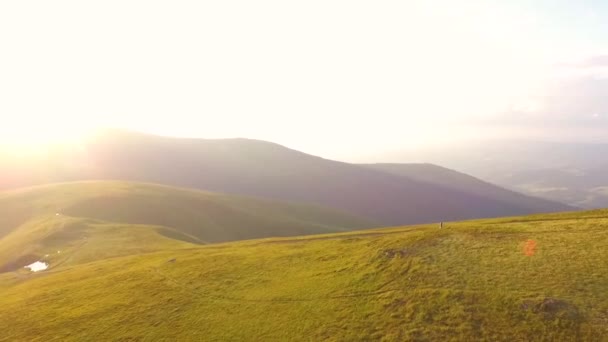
x=206, y=216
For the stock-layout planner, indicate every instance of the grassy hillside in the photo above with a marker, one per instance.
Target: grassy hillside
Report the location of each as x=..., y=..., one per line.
x=263, y=169
x=100, y=219
x=532, y=278
x=67, y=241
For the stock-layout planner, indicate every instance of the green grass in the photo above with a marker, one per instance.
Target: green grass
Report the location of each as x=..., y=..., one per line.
x=211, y=217
x=66, y=241
x=470, y=281
x=106, y=219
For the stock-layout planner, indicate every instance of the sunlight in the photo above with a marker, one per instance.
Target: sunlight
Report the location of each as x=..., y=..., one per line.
x=40, y=133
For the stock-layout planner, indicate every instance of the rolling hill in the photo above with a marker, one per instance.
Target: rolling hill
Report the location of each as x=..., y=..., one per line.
x=264, y=169
x=77, y=222
x=535, y=278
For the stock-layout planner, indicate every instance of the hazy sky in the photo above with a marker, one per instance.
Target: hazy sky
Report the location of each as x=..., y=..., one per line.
x=335, y=78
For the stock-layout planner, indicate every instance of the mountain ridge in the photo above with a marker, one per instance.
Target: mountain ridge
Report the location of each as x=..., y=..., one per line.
x=264, y=169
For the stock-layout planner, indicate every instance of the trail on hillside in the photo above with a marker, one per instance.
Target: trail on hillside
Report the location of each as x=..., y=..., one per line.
x=73, y=252
x=341, y=237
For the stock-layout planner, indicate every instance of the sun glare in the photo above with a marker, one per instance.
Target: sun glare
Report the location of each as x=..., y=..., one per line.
x=23, y=136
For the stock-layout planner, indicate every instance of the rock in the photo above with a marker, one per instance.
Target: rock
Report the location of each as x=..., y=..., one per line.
x=394, y=253
x=552, y=308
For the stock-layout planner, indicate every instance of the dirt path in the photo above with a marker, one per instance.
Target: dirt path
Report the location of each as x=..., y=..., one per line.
x=71, y=256
x=354, y=235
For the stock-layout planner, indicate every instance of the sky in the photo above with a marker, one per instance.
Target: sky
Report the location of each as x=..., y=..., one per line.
x=339, y=79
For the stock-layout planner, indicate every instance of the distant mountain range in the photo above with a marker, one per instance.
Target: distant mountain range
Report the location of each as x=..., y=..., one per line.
x=567, y=172
x=457, y=181
x=388, y=194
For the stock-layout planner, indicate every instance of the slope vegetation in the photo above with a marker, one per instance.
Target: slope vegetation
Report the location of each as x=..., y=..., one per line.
x=513, y=279
x=119, y=218
x=264, y=169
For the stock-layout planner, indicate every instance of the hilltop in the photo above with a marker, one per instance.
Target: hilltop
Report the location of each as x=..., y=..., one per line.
x=90, y=220
x=540, y=277
x=263, y=169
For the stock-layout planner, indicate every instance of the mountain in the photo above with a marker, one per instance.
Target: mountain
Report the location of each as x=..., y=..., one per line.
x=450, y=179
x=567, y=172
x=264, y=169
x=75, y=218
x=541, y=277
